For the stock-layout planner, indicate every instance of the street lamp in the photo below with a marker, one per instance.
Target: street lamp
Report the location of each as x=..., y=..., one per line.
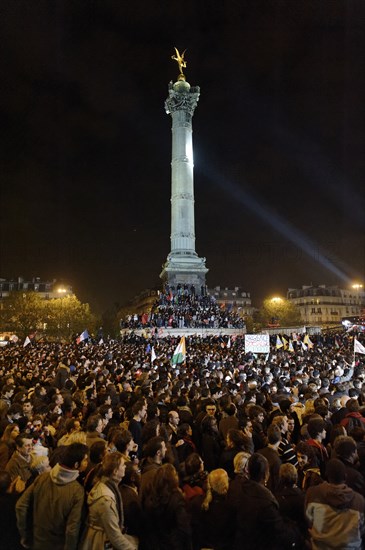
x=276, y=300
x=61, y=290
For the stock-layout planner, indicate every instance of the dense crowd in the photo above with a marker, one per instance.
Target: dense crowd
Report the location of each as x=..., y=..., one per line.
x=100, y=448
x=182, y=307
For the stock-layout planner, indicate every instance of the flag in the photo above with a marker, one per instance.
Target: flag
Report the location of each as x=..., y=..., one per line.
x=279, y=343
x=308, y=341
x=358, y=347
x=291, y=348
x=26, y=341
x=304, y=347
x=179, y=353
x=83, y=336
x=153, y=355
x=229, y=343
x=148, y=348
x=101, y=342
x=285, y=342
x=14, y=338
x=337, y=345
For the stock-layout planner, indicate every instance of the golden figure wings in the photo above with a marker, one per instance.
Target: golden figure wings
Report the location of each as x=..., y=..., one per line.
x=180, y=60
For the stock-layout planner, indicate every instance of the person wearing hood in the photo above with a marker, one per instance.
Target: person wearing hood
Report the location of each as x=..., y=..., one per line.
x=105, y=522
x=335, y=513
x=49, y=511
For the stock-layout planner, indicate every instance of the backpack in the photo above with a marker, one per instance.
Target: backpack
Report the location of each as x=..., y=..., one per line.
x=352, y=423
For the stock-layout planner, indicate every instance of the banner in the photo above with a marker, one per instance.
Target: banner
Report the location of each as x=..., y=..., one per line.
x=257, y=343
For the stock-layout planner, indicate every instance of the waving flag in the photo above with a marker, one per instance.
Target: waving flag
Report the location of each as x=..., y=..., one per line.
x=308, y=341
x=179, y=353
x=83, y=336
x=153, y=355
x=279, y=343
x=358, y=347
x=26, y=341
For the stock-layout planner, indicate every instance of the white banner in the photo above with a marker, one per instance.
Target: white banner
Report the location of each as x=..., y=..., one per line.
x=257, y=343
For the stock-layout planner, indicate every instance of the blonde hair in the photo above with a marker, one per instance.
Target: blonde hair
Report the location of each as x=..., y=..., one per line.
x=217, y=482
x=39, y=463
x=309, y=406
x=76, y=437
x=240, y=462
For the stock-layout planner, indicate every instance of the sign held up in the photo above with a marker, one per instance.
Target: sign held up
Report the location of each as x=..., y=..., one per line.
x=257, y=343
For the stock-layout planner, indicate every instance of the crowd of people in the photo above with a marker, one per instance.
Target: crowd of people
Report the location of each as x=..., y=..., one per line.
x=102, y=448
x=182, y=307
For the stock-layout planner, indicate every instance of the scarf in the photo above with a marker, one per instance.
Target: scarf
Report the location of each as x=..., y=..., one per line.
x=118, y=499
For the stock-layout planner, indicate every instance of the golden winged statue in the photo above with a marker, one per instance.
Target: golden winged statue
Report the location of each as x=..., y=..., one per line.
x=180, y=60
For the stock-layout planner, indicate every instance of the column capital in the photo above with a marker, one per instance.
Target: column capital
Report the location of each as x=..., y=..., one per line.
x=182, y=98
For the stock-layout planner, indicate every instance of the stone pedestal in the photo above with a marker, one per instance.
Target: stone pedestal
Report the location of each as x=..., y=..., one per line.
x=183, y=264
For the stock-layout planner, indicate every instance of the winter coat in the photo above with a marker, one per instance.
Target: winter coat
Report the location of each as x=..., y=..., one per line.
x=18, y=466
x=259, y=522
x=215, y=527
x=210, y=451
x=103, y=522
x=50, y=510
x=336, y=517
x=167, y=526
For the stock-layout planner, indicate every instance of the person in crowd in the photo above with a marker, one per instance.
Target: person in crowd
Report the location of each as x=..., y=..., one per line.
x=194, y=480
x=173, y=423
x=257, y=417
x=235, y=443
x=309, y=473
x=353, y=418
x=291, y=500
x=19, y=463
x=345, y=450
x=271, y=453
x=213, y=520
x=7, y=444
x=129, y=490
x=154, y=455
x=228, y=421
x=166, y=520
x=38, y=465
x=105, y=520
x=335, y=513
x=210, y=442
x=9, y=535
x=96, y=454
x=139, y=411
x=49, y=511
x=259, y=522
x=236, y=485
x=187, y=445
x=285, y=450
x=71, y=425
x=94, y=428
x=317, y=433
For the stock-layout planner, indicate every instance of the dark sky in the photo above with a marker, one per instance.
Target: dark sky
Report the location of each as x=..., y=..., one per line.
x=279, y=141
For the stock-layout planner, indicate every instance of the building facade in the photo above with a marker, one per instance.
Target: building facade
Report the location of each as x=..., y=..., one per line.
x=327, y=305
x=236, y=299
x=45, y=289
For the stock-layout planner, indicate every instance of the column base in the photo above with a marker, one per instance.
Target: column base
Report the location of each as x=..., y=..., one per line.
x=184, y=270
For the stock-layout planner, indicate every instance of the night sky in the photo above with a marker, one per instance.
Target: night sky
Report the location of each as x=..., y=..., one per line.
x=279, y=141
